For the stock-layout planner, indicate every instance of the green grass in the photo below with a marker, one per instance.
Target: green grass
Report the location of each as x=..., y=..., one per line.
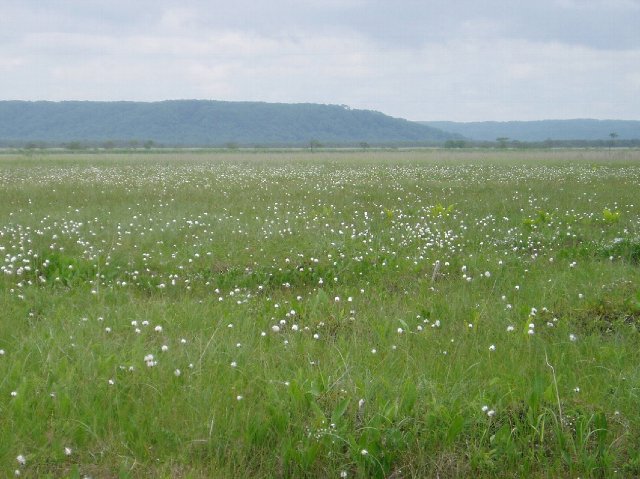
x=299, y=298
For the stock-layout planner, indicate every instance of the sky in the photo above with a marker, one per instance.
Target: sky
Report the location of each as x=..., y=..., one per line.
x=458, y=60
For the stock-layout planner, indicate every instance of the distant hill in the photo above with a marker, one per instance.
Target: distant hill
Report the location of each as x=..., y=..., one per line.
x=542, y=130
x=205, y=123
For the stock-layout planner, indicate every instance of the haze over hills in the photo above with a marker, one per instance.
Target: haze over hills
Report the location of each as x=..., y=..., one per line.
x=206, y=123
x=535, y=131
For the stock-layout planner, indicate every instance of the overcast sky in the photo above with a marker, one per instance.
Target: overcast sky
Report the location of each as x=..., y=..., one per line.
x=461, y=60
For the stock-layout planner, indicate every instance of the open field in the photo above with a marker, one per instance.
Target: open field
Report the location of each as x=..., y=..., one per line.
x=374, y=314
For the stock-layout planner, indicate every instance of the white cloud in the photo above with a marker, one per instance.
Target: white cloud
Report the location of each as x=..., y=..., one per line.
x=460, y=62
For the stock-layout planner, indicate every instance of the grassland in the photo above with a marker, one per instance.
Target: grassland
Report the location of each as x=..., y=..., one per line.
x=374, y=314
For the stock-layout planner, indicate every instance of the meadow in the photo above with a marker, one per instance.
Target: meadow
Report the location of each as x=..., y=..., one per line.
x=330, y=314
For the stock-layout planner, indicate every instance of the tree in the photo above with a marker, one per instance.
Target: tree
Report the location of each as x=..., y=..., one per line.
x=502, y=141
x=364, y=145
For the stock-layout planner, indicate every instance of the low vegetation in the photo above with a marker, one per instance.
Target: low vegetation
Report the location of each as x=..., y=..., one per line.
x=362, y=314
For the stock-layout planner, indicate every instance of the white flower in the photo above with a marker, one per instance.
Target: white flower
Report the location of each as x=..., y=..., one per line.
x=1, y=352
x=492, y=347
x=510, y=328
x=316, y=336
x=531, y=332
x=485, y=408
x=374, y=351
x=177, y=373
x=400, y=331
x=239, y=397
x=164, y=348
x=275, y=328
x=111, y=382
x=14, y=394
x=158, y=329
x=573, y=337
x=491, y=413
x=234, y=364
x=68, y=451
x=364, y=452
x=21, y=460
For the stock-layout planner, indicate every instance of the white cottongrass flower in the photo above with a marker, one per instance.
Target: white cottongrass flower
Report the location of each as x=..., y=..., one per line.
x=364, y=452
x=14, y=394
x=239, y=397
x=1, y=352
x=485, y=408
x=164, y=348
x=233, y=364
x=275, y=328
x=158, y=329
x=573, y=337
x=510, y=328
x=492, y=347
x=68, y=451
x=177, y=373
x=491, y=413
x=149, y=360
x=21, y=460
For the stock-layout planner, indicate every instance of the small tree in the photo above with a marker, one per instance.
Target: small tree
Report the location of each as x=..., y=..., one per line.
x=314, y=144
x=364, y=145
